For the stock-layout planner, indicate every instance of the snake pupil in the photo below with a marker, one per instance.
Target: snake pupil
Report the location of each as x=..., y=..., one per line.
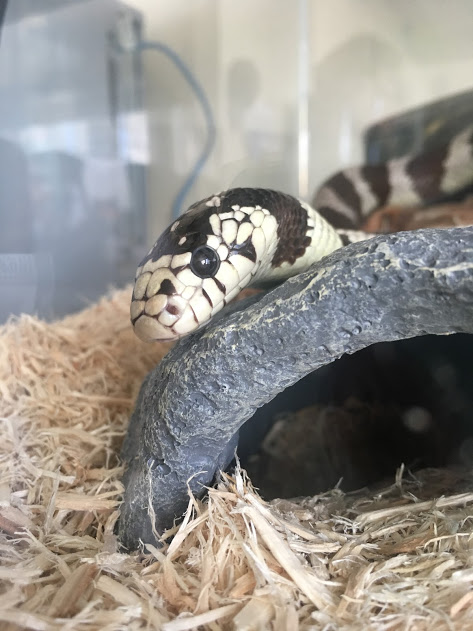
x=205, y=262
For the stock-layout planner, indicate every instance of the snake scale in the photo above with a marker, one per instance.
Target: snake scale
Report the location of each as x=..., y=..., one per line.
x=249, y=236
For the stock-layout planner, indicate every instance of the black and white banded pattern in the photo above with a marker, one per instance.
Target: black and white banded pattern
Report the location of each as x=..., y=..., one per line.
x=255, y=234
x=350, y=196
x=245, y=236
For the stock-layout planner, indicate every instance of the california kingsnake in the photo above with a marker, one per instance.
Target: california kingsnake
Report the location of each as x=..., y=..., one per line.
x=246, y=236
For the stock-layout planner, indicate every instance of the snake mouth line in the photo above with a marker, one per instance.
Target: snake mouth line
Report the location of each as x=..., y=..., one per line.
x=148, y=327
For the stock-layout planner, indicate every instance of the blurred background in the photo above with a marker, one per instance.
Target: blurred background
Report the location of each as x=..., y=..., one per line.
x=115, y=116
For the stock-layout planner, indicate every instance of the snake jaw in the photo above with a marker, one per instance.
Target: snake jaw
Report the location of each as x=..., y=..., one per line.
x=160, y=309
x=157, y=315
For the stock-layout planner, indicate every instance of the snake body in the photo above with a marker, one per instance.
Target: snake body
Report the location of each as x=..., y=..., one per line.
x=246, y=236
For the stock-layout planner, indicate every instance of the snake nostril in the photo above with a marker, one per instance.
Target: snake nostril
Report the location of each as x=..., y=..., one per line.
x=172, y=309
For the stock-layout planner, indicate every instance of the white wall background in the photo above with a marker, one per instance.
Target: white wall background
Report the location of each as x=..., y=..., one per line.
x=366, y=59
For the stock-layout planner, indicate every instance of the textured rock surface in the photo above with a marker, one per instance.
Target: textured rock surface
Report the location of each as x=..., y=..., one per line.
x=186, y=421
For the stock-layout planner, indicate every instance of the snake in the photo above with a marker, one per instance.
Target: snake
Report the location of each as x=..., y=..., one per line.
x=257, y=236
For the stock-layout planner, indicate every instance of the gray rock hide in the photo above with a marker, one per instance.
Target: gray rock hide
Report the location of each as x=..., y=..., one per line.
x=184, y=428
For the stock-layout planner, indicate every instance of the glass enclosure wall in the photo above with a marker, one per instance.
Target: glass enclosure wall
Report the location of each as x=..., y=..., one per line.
x=116, y=115
x=72, y=154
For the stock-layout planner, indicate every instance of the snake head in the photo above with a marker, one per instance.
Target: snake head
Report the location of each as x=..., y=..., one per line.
x=200, y=263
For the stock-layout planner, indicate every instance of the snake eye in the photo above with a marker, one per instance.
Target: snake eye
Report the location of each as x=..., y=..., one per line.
x=205, y=262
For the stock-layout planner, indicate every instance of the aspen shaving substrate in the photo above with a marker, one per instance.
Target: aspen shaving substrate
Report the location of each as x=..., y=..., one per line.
x=399, y=558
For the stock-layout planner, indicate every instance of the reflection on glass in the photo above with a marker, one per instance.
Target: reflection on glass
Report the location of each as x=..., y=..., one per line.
x=73, y=150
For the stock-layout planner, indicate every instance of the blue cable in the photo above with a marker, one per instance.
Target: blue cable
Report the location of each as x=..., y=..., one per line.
x=178, y=203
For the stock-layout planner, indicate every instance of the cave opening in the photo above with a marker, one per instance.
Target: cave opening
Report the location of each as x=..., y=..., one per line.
x=353, y=422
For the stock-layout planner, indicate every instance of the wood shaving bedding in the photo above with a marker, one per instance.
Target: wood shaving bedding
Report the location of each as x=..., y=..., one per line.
x=397, y=558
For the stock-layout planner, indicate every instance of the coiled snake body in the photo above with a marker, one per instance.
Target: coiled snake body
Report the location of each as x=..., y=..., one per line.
x=246, y=236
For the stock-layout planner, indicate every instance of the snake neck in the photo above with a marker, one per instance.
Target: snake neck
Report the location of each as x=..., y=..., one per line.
x=302, y=238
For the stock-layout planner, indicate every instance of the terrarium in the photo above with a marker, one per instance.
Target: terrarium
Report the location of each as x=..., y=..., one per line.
x=301, y=455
